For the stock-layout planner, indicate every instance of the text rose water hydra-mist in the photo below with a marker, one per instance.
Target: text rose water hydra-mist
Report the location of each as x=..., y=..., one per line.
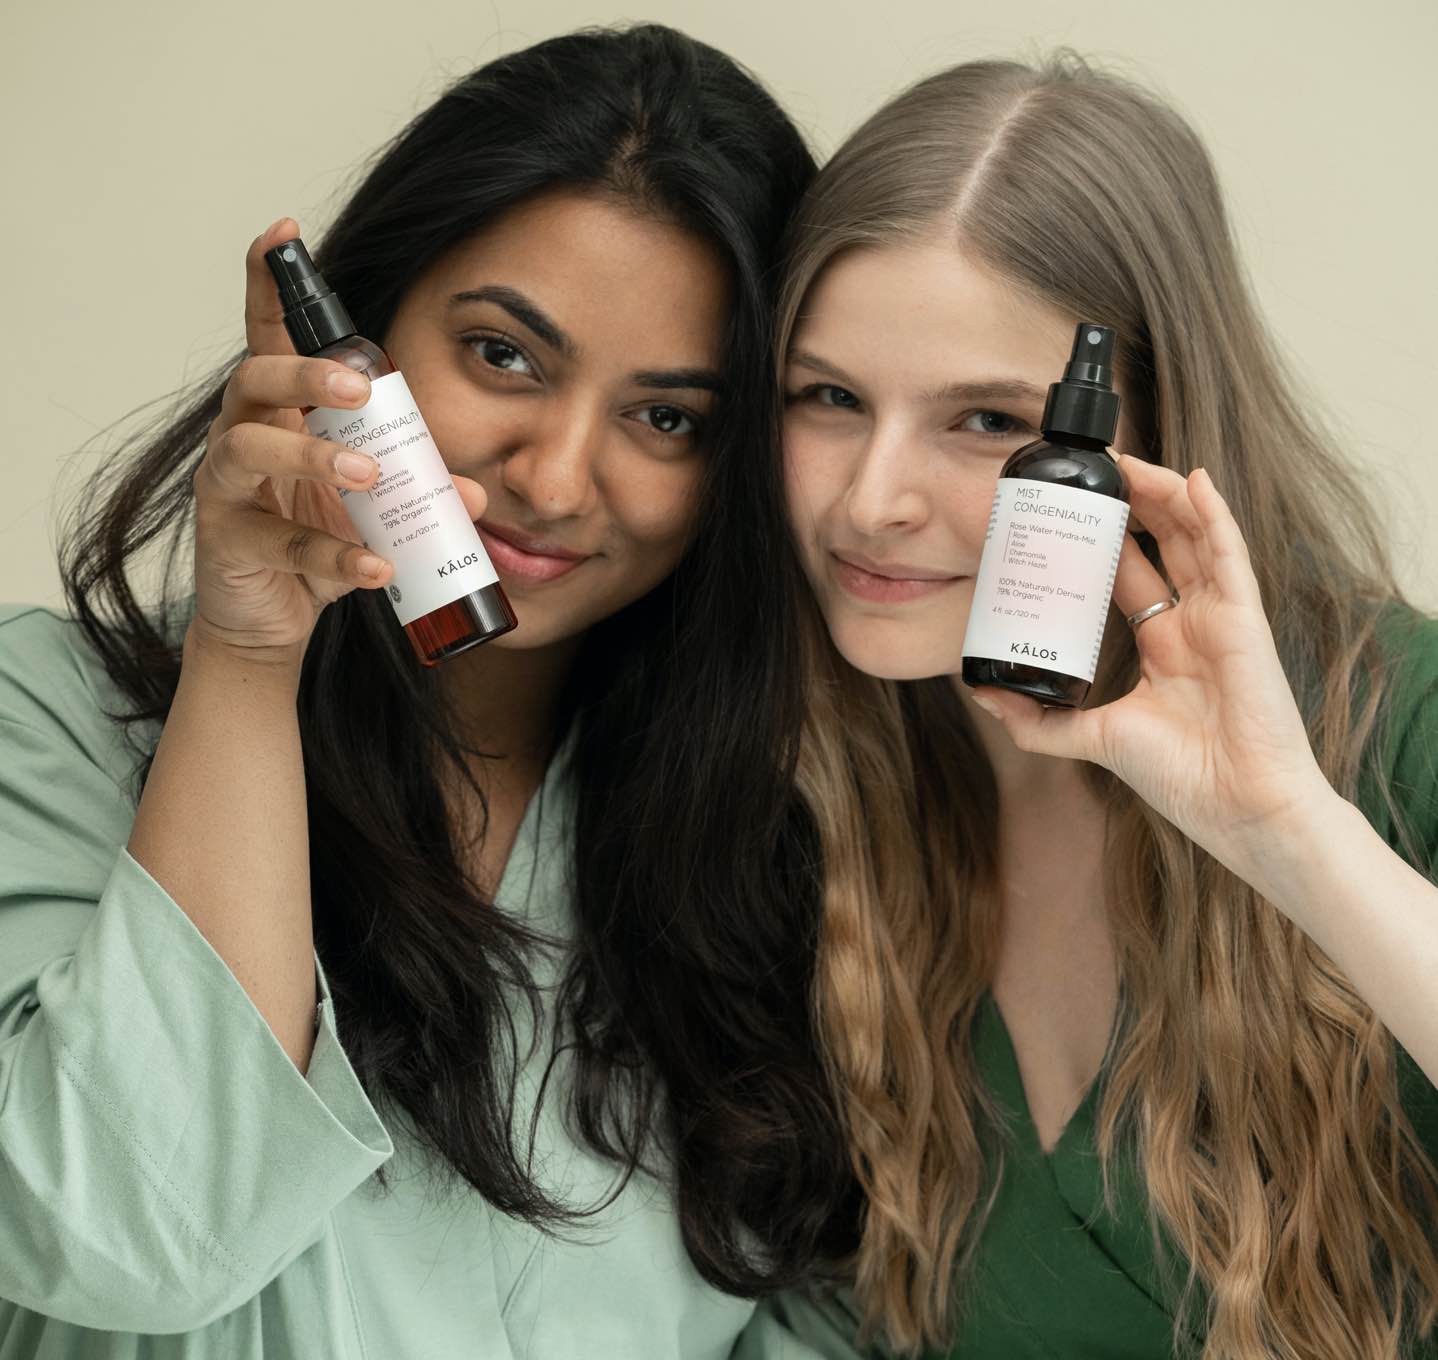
x=1046, y=576
x=445, y=592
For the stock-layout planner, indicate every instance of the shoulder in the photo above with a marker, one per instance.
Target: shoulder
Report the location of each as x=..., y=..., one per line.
x=57, y=701
x=1409, y=728
x=1405, y=751
x=1409, y=640
x=49, y=674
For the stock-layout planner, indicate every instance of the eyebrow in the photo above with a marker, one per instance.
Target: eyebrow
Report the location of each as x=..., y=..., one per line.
x=530, y=315
x=989, y=389
x=524, y=310
x=680, y=379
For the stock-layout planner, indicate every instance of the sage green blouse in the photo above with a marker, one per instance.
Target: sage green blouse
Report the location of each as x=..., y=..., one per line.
x=1059, y=1278
x=172, y=1187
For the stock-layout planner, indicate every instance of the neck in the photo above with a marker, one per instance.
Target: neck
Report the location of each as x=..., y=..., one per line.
x=506, y=699
x=1023, y=778
x=1053, y=833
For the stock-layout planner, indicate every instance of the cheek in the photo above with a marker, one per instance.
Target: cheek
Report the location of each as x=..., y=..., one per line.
x=814, y=479
x=972, y=509
x=652, y=505
x=472, y=429
x=968, y=501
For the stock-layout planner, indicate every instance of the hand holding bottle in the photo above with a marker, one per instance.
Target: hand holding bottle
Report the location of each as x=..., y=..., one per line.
x=273, y=544
x=1211, y=736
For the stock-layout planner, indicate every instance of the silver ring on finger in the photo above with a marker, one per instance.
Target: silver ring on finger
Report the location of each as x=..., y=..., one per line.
x=1135, y=619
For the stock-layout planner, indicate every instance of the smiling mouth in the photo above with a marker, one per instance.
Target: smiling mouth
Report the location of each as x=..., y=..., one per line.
x=518, y=556
x=880, y=583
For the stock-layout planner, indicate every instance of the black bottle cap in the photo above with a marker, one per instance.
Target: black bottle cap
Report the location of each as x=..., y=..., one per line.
x=314, y=316
x=1083, y=404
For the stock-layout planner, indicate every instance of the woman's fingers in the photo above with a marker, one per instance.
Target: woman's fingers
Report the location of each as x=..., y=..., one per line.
x=1068, y=732
x=1229, y=560
x=264, y=317
x=473, y=495
x=1136, y=584
x=1159, y=500
x=255, y=539
x=240, y=458
x=265, y=383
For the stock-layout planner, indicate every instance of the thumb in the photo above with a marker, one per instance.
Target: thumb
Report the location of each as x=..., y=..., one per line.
x=1067, y=732
x=472, y=494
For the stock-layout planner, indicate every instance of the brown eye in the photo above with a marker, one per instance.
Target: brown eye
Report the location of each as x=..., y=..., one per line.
x=501, y=354
x=668, y=420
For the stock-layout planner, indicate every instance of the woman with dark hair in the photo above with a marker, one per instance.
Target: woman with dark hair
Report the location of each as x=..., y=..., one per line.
x=351, y=1008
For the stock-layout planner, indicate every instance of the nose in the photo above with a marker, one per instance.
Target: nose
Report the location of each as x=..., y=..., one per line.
x=553, y=469
x=886, y=492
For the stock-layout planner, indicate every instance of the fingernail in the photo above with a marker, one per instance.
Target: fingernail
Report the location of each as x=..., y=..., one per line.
x=370, y=565
x=988, y=705
x=356, y=466
x=347, y=384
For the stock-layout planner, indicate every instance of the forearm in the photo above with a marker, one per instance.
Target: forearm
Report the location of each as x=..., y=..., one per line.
x=1369, y=911
x=222, y=827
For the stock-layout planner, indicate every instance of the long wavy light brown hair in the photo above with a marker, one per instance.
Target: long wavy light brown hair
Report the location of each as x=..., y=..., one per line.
x=1255, y=1088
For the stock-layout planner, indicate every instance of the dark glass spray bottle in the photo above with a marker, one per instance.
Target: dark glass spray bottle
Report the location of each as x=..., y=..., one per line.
x=444, y=590
x=1046, y=577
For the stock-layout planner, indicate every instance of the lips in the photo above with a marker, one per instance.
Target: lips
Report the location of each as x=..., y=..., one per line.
x=886, y=582
x=518, y=555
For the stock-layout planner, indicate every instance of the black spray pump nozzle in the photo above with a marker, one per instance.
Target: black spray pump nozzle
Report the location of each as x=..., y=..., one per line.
x=314, y=316
x=295, y=272
x=1083, y=403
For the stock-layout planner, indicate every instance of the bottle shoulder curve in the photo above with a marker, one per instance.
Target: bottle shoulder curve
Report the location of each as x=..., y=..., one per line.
x=1085, y=469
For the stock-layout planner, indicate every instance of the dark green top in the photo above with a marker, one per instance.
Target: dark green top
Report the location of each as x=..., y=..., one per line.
x=1058, y=1278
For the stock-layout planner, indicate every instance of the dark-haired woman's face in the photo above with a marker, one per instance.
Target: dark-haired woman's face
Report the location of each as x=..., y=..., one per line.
x=567, y=358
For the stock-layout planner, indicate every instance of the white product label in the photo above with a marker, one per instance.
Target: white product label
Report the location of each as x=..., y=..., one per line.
x=412, y=515
x=1042, y=594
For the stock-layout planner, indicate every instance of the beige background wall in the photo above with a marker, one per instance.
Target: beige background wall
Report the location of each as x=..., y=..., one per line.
x=146, y=144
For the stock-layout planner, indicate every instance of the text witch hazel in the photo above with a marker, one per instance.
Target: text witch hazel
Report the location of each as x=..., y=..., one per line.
x=1055, y=534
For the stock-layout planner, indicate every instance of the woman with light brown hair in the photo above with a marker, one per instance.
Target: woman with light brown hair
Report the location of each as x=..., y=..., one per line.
x=1129, y=1007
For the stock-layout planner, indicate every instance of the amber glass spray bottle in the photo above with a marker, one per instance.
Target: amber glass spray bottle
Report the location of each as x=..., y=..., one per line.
x=445, y=591
x=1046, y=576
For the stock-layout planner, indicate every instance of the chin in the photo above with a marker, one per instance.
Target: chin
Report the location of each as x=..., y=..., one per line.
x=890, y=650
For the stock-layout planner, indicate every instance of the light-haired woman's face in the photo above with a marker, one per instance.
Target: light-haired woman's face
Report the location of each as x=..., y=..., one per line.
x=912, y=374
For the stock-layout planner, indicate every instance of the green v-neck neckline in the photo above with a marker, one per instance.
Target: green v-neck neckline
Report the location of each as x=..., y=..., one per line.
x=1003, y=1070
x=1071, y=1173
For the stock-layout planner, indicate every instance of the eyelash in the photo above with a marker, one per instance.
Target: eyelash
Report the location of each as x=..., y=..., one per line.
x=812, y=394
x=1016, y=426
x=476, y=343
x=814, y=390
x=695, y=425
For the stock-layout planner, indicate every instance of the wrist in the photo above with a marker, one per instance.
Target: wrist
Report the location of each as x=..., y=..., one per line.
x=1297, y=856
x=269, y=665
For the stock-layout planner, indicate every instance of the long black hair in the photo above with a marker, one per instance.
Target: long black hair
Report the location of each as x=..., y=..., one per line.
x=686, y=1007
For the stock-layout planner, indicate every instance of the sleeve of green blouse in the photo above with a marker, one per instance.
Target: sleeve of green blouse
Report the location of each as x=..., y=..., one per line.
x=161, y=1158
